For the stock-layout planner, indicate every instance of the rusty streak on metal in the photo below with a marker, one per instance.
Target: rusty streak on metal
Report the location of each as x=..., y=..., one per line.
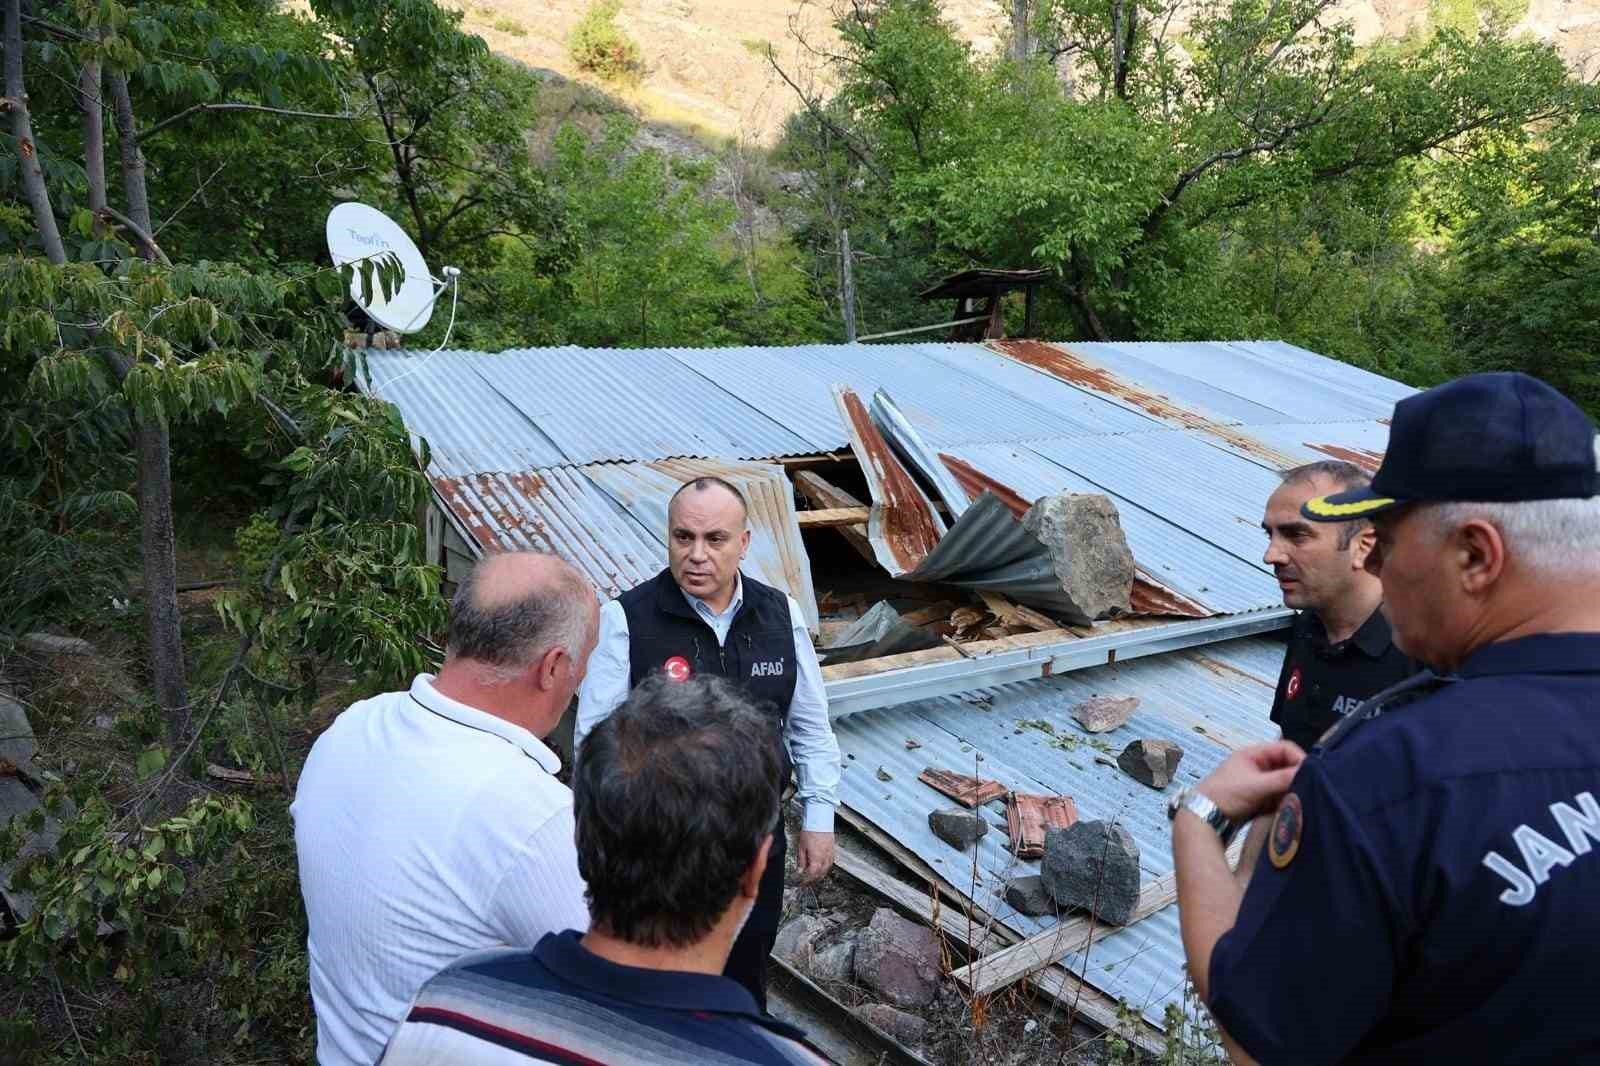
x=1063, y=363
x=1150, y=596
x=1368, y=461
x=975, y=483
x=905, y=521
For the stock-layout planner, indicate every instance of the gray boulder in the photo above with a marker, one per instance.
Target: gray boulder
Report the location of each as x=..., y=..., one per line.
x=957, y=826
x=1151, y=762
x=836, y=963
x=906, y=1028
x=899, y=960
x=798, y=938
x=1093, y=866
x=1027, y=896
x=1088, y=551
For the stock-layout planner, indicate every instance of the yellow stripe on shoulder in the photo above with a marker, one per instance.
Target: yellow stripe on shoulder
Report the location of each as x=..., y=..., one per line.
x=1319, y=505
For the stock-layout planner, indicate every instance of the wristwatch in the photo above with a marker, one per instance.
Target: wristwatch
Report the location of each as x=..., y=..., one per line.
x=1196, y=802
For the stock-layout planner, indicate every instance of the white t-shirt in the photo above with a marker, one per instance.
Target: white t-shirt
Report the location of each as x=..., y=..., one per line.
x=425, y=829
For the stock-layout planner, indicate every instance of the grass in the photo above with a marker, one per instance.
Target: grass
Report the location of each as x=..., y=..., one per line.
x=510, y=26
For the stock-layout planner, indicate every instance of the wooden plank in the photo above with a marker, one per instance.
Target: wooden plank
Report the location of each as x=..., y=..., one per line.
x=1017, y=614
x=923, y=615
x=1085, y=1003
x=832, y=516
x=976, y=649
x=1066, y=937
x=889, y=1049
x=821, y=492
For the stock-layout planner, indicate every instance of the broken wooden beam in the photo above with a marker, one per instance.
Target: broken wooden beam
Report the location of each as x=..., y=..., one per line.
x=828, y=517
x=1016, y=614
x=824, y=494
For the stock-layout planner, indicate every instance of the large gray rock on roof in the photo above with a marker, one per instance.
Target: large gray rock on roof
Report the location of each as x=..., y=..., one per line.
x=957, y=826
x=1090, y=554
x=1093, y=866
x=1151, y=762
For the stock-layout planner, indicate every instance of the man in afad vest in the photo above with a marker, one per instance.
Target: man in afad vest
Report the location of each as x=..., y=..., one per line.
x=702, y=616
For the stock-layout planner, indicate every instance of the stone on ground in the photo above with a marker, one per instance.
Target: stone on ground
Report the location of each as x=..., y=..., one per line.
x=798, y=938
x=898, y=959
x=836, y=963
x=1102, y=714
x=1090, y=555
x=1151, y=762
x=957, y=826
x=1093, y=866
x=906, y=1028
x=1027, y=896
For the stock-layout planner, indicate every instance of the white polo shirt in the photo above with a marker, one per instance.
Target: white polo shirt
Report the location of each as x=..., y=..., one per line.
x=425, y=829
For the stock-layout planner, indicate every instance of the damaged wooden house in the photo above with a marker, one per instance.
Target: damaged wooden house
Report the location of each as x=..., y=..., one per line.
x=1034, y=571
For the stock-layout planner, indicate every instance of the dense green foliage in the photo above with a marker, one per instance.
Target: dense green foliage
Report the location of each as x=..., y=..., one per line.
x=1256, y=175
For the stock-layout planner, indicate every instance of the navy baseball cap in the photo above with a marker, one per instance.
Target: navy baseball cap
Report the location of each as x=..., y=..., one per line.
x=1486, y=438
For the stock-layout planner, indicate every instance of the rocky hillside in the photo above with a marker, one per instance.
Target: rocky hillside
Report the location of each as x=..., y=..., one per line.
x=705, y=67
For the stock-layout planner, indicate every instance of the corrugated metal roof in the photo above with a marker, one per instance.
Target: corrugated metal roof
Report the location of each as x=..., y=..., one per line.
x=1296, y=389
x=1210, y=492
x=1163, y=542
x=556, y=510
x=1361, y=443
x=629, y=404
x=610, y=519
x=469, y=426
x=1208, y=700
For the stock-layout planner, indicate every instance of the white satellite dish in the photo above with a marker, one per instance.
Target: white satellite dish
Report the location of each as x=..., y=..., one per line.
x=356, y=233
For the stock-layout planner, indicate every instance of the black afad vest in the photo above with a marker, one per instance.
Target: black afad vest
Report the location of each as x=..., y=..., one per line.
x=758, y=655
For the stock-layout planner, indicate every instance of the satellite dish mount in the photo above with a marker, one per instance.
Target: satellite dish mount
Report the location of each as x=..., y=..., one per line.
x=358, y=233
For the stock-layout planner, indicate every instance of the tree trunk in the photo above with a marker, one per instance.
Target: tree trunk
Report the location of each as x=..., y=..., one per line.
x=1020, y=45
x=133, y=185
x=158, y=543
x=44, y=217
x=847, y=287
x=94, y=140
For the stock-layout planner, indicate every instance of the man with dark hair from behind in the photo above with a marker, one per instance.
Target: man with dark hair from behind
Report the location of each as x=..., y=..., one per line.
x=1340, y=651
x=676, y=796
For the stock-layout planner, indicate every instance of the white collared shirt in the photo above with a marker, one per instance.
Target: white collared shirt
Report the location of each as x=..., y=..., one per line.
x=425, y=829
x=808, y=732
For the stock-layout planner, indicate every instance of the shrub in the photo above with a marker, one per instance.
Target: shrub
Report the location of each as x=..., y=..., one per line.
x=599, y=46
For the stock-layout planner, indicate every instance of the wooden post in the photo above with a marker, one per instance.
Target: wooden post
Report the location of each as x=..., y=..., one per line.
x=847, y=287
x=1030, y=321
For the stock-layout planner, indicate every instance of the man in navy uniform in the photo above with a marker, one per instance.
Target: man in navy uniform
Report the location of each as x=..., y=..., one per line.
x=1427, y=891
x=702, y=616
x=1340, y=651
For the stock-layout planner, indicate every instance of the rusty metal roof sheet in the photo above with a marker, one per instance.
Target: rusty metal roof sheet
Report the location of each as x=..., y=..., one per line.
x=1361, y=443
x=610, y=519
x=1209, y=700
x=556, y=510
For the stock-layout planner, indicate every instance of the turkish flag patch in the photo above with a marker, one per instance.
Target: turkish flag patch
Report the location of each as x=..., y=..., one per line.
x=676, y=668
x=1290, y=691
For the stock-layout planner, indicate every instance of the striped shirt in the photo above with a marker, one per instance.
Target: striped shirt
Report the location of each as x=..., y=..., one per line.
x=426, y=829
x=561, y=1003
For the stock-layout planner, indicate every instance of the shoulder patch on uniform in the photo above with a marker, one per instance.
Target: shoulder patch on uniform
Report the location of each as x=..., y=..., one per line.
x=1284, y=840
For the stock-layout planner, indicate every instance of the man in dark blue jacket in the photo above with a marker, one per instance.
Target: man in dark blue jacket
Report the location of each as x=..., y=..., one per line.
x=1427, y=889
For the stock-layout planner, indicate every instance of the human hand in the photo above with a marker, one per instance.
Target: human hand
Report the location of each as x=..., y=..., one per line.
x=1252, y=780
x=813, y=855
